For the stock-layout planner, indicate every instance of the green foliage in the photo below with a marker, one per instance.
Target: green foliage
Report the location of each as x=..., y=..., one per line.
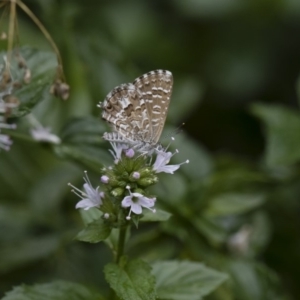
x=159, y=216
x=282, y=128
x=59, y=290
x=185, y=280
x=95, y=232
x=231, y=211
x=82, y=142
x=43, y=66
x=131, y=280
x=226, y=204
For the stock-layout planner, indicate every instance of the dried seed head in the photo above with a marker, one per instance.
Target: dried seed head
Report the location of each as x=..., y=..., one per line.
x=21, y=62
x=3, y=36
x=5, y=80
x=17, y=84
x=60, y=89
x=11, y=102
x=27, y=76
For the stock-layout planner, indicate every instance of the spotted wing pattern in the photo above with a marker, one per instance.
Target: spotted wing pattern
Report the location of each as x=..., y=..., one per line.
x=137, y=111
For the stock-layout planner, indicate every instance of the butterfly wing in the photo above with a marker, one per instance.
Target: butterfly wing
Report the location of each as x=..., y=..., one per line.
x=155, y=89
x=126, y=112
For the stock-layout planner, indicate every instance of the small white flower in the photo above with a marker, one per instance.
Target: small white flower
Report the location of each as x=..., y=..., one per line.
x=136, y=201
x=90, y=198
x=239, y=242
x=43, y=134
x=162, y=159
x=117, y=150
x=5, y=142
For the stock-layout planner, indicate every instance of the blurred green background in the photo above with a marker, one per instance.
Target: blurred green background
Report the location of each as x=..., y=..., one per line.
x=235, y=66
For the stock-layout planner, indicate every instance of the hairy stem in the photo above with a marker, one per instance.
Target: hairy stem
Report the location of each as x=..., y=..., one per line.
x=121, y=243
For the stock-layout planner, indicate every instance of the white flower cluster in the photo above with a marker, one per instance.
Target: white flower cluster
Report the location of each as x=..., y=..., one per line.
x=92, y=197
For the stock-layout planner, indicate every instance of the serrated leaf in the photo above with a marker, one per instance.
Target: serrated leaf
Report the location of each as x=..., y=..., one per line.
x=58, y=290
x=282, y=133
x=131, y=280
x=95, y=232
x=182, y=280
x=158, y=216
x=42, y=66
x=232, y=203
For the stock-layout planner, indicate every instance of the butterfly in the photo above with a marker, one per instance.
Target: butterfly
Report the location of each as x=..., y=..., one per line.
x=137, y=111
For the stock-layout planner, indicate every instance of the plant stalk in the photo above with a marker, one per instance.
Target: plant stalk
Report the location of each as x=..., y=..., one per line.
x=11, y=33
x=121, y=243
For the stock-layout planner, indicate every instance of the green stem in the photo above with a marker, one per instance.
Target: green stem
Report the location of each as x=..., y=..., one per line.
x=11, y=33
x=121, y=243
x=19, y=136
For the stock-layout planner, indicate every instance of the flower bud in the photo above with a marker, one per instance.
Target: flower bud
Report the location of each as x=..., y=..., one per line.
x=145, y=172
x=117, y=192
x=134, y=176
x=147, y=181
x=104, y=179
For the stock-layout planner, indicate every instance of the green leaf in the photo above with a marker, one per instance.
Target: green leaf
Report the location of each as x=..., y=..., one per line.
x=158, y=216
x=42, y=65
x=90, y=156
x=213, y=231
x=27, y=251
x=232, y=203
x=86, y=130
x=82, y=141
x=90, y=215
x=58, y=290
x=282, y=133
x=95, y=232
x=184, y=280
x=252, y=280
x=131, y=280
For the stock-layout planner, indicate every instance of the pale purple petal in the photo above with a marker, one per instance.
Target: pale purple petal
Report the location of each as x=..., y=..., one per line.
x=43, y=134
x=136, y=208
x=90, y=197
x=86, y=204
x=117, y=150
x=168, y=169
x=162, y=159
x=127, y=201
x=146, y=202
x=137, y=195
